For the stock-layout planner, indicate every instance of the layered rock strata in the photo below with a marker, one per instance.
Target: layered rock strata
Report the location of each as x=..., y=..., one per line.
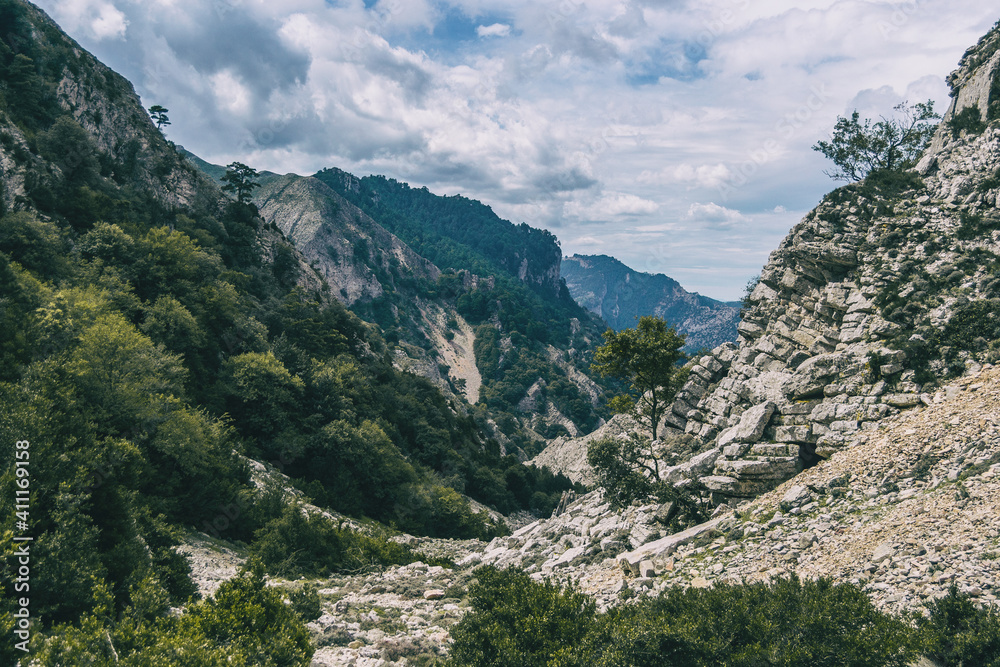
x=883, y=290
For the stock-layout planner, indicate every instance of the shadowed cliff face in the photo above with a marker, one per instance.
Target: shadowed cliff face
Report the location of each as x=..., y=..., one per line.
x=885, y=289
x=605, y=286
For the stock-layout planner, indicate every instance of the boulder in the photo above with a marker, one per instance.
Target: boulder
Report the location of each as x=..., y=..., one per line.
x=751, y=426
x=797, y=496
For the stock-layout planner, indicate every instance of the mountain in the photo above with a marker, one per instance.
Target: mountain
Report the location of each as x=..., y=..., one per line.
x=608, y=288
x=886, y=289
x=197, y=411
x=181, y=366
x=472, y=302
x=456, y=232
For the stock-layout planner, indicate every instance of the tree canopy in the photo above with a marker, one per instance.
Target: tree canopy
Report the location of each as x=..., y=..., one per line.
x=645, y=358
x=860, y=148
x=159, y=114
x=240, y=180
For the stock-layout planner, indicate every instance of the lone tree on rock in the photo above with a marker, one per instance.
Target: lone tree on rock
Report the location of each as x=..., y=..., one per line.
x=891, y=144
x=628, y=468
x=159, y=114
x=646, y=358
x=239, y=180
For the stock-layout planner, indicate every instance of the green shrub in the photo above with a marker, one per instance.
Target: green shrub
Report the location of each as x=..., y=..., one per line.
x=253, y=622
x=620, y=469
x=518, y=622
x=306, y=603
x=969, y=119
x=297, y=543
x=957, y=633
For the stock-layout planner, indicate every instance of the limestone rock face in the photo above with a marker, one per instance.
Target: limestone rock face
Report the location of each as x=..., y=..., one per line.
x=345, y=244
x=569, y=455
x=878, y=294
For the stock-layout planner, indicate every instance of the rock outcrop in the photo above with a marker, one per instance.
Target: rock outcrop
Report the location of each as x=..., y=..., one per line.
x=904, y=509
x=351, y=251
x=882, y=291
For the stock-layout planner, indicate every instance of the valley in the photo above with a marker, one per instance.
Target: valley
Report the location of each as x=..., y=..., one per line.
x=315, y=423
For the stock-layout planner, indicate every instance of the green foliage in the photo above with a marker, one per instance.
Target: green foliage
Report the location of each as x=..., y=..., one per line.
x=627, y=469
x=745, y=301
x=35, y=244
x=623, y=468
x=787, y=622
x=69, y=147
x=306, y=602
x=972, y=321
x=252, y=622
x=240, y=180
x=969, y=119
x=959, y=633
x=893, y=144
x=516, y=621
x=297, y=543
x=159, y=115
x=646, y=358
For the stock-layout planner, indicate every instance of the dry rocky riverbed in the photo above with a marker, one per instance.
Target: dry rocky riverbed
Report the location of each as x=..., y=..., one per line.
x=907, y=510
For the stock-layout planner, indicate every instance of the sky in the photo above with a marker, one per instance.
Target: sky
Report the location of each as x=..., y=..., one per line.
x=674, y=135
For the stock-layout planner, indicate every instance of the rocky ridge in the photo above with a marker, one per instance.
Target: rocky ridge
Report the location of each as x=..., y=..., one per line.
x=905, y=510
x=345, y=245
x=883, y=290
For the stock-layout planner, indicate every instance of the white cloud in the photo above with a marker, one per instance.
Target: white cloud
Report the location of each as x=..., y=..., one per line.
x=494, y=30
x=714, y=215
x=98, y=19
x=230, y=92
x=611, y=205
x=609, y=112
x=701, y=176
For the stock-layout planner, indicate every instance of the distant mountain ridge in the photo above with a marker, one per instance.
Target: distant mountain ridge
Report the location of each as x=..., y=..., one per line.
x=620, y=295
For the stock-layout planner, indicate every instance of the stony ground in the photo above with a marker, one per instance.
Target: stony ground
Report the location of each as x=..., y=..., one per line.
x=909, y=509
x=906, y=511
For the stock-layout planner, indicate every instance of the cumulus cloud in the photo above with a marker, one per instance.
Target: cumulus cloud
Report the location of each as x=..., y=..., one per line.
x=97, y=19
x=714, y=215
x=611, y=205
x=613, y=120
x=694, y=176
x=494, y=30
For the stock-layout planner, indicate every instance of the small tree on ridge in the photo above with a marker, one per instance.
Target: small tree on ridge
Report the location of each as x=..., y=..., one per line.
x=892, y=144
x=239, y=180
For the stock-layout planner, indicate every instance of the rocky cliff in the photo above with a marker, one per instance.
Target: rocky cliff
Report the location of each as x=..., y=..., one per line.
x=608, y=288
x=357, y=257
x=122, y=137
x=888, y=287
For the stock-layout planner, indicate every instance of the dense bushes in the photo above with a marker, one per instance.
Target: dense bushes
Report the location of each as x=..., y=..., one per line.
x=245, y=622
x=517, y=621
x=957, y=633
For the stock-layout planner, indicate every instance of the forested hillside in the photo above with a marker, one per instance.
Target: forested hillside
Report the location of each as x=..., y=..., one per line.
x=154, y=335
x=533, y=342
